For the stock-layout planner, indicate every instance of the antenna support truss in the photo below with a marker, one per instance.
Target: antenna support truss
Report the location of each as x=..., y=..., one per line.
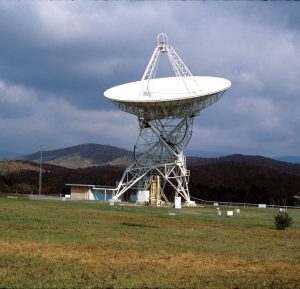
x=160, y=144
x=163, y=46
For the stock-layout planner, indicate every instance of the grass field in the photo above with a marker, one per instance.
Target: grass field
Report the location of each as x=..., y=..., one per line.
x=54, y=244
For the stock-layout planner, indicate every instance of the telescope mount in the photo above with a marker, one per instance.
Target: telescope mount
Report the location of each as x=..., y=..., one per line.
x=165, y=108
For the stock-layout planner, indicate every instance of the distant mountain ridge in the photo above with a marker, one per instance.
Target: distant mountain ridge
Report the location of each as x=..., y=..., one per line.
x=83, y=156
x=237, y=178
x=290, y=159
x=91, y=155
x=206, y=154
x=10, y=166
x=282, y=166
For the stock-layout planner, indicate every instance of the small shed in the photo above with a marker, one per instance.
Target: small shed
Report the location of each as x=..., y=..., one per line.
x=80, y=192
x=91, y=192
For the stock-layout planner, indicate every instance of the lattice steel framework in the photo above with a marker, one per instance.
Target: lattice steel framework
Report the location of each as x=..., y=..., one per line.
x=163, y=132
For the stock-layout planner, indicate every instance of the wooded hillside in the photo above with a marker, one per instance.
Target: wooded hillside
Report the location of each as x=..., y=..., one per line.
x=218, y=181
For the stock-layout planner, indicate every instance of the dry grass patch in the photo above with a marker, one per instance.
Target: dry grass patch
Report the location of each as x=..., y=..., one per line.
x=200, y=264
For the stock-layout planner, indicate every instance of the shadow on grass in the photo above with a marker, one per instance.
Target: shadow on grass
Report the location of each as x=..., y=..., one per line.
x=139, y=225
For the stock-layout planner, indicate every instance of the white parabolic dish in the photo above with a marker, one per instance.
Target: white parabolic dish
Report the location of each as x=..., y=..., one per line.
x=168, y=97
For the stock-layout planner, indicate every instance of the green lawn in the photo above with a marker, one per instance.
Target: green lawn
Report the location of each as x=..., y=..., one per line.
x=55, y=244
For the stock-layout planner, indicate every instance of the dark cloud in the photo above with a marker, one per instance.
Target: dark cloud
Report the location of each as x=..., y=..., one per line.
x=57, y=58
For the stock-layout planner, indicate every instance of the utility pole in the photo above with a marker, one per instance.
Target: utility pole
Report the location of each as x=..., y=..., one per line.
x=41, y=169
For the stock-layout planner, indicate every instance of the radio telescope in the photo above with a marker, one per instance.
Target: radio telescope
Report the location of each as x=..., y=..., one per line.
x=165, y=108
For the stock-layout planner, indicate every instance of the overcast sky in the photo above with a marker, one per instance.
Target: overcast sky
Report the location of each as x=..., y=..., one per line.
x=57, y=58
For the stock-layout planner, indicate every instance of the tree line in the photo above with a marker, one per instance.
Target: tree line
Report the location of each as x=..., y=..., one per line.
x=226, y=181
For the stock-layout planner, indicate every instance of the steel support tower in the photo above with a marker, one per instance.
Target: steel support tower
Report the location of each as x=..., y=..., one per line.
x=161, y=141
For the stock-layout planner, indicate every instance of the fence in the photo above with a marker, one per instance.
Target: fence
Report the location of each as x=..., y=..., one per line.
x=236, y=204
x=46, y=197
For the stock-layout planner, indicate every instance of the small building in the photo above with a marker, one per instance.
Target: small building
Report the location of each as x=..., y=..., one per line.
x=91, y=192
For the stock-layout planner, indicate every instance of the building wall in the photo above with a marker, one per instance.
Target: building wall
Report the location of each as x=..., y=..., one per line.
x=80, y=193
x=100, y=195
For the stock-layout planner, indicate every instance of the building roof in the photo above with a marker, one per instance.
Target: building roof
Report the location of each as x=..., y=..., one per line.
x=94, y=187
x=80, y=185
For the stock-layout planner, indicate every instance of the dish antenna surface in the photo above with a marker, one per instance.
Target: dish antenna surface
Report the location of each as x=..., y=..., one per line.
x=165, y=108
